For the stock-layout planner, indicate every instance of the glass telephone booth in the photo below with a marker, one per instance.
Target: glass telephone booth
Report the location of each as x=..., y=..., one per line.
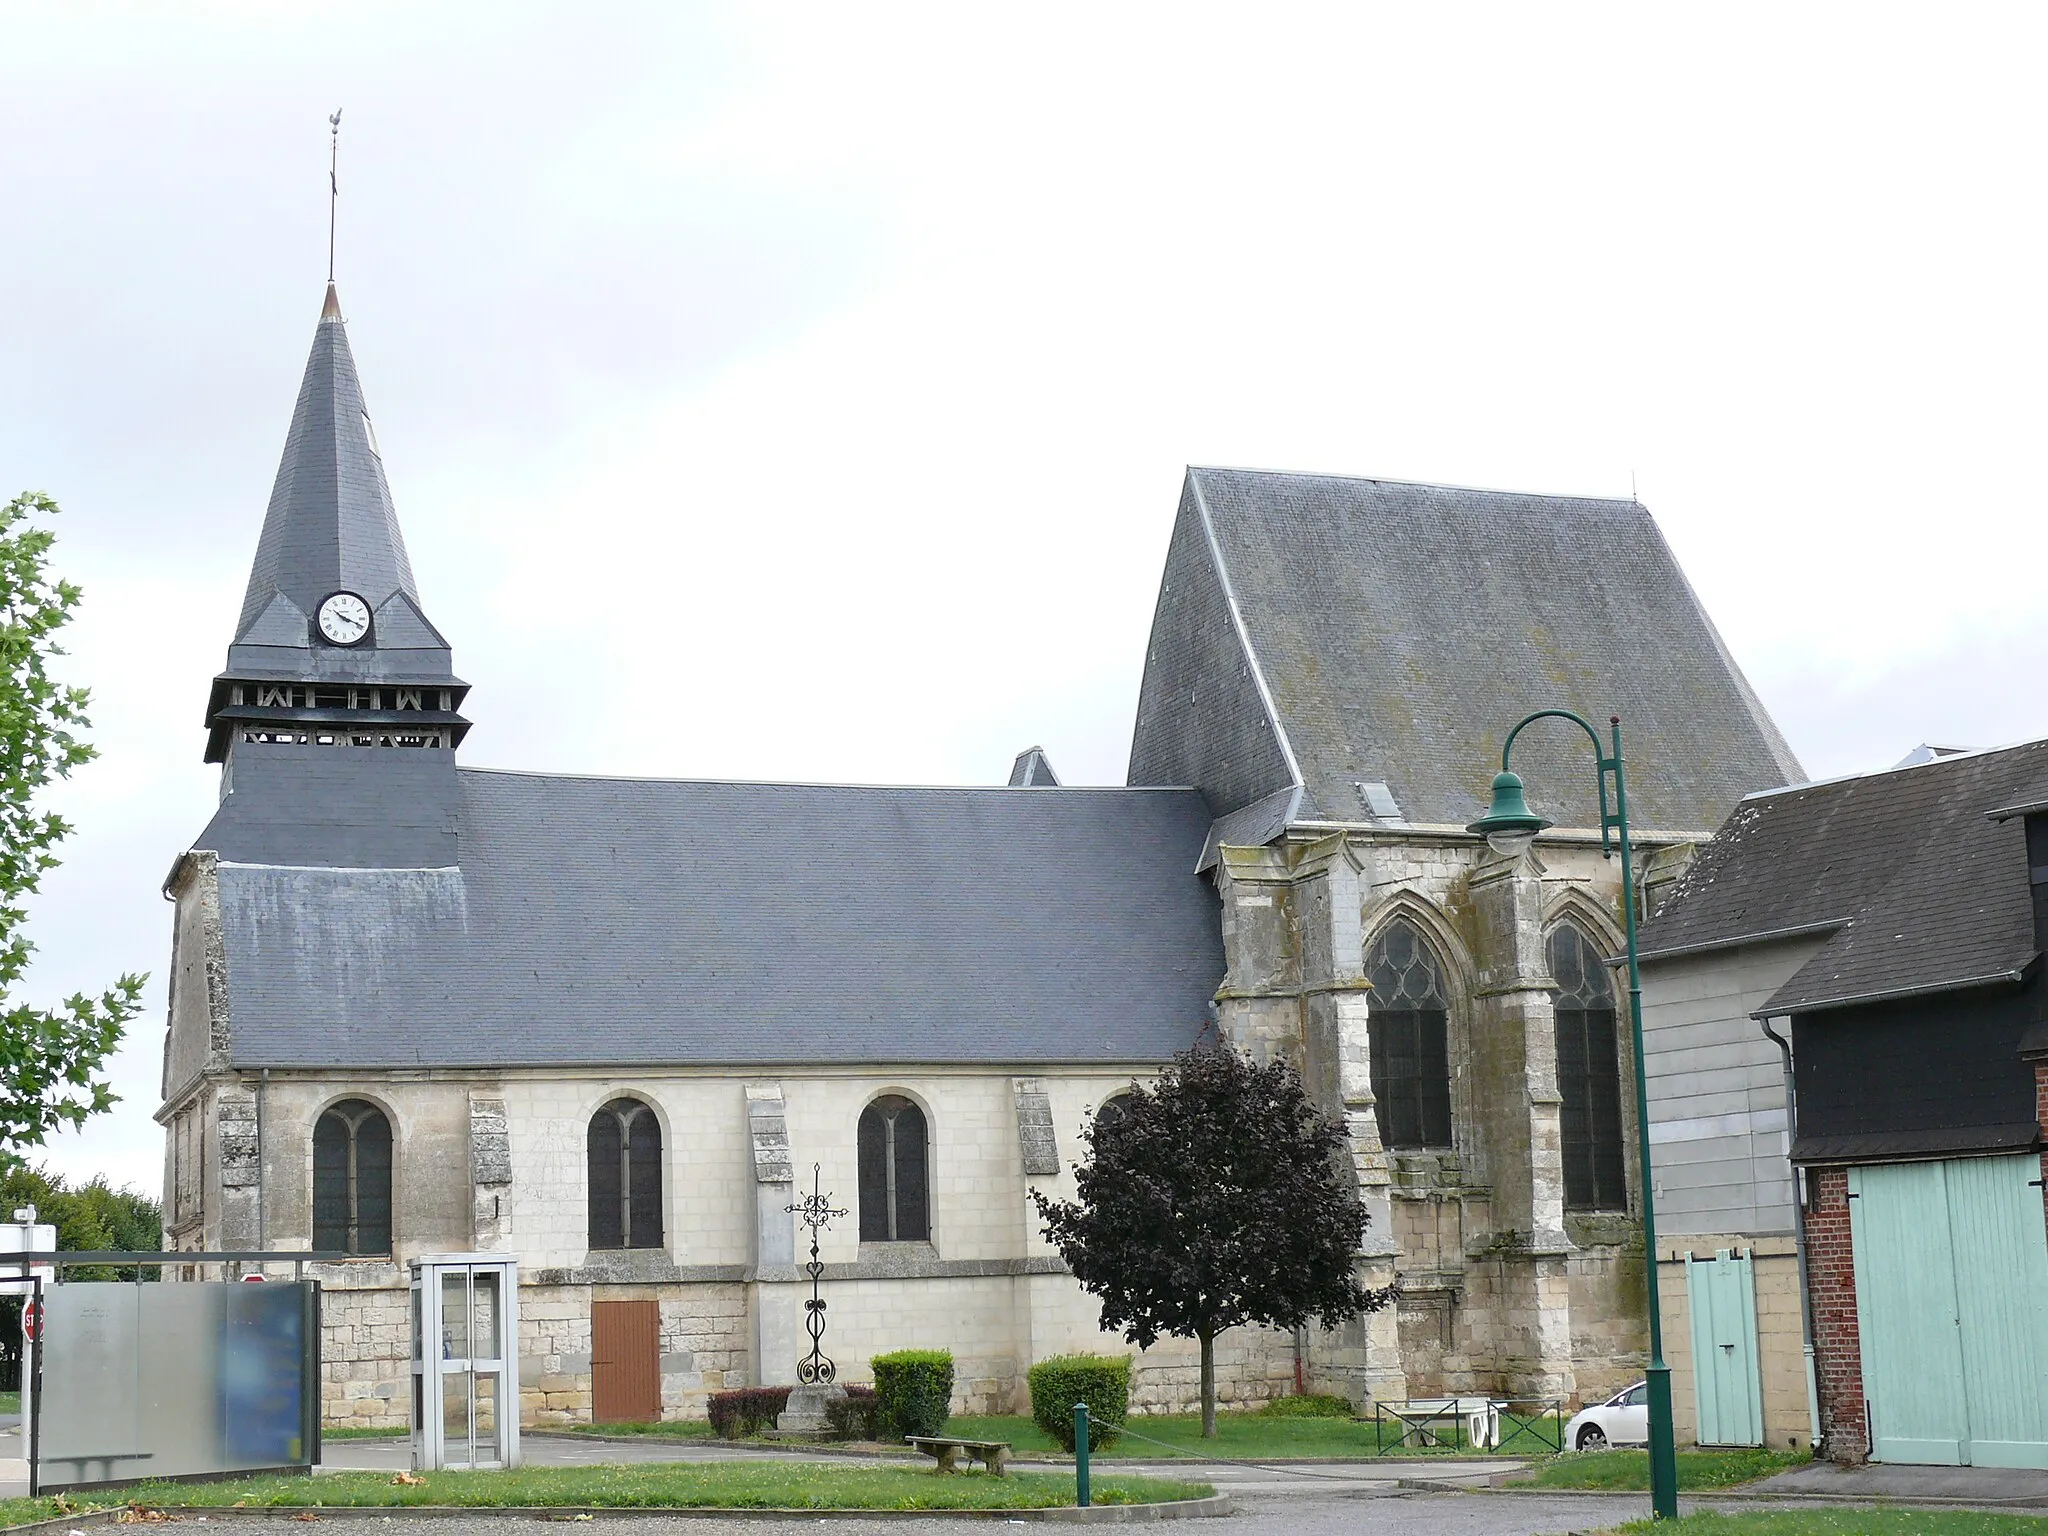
x=465, y=1361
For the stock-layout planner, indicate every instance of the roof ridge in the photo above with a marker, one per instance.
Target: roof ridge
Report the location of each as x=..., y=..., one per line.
x=988, y=789
x=1239, y=627
x=1874, y=773
x=1424, y=485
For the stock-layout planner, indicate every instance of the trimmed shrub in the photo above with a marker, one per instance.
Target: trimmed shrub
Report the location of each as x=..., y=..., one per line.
x=913, y=1392
x=1103, y=1382
x=746, y=1411
x=1310, y=1405
x=853, y=1417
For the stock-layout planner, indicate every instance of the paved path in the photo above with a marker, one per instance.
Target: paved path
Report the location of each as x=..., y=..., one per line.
x=2015, y=1487
x=1427, y=1514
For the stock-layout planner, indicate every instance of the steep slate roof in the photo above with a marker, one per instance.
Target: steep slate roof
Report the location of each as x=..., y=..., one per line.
x=1317, y=633
x=1033, y=770
x=331, y=527
x=387, y=908
x=1921, y=889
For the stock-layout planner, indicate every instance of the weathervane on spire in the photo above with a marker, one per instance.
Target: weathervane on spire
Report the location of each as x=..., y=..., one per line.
x=333, y=185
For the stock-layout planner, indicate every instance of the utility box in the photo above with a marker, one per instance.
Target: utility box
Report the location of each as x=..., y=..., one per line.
x=465, y=1361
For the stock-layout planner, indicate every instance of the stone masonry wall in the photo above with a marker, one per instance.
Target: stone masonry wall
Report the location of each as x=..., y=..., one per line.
x=705, y=1342
x=1608, y=1303
x=703, y=1347
x=365, y=1346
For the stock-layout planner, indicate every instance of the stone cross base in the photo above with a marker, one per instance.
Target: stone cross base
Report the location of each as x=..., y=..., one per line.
x=805, y=1413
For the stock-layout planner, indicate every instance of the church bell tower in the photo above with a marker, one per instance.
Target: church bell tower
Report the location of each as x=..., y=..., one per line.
x=333, y=650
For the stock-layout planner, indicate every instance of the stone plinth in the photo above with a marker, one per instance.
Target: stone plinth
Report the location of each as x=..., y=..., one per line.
x=805, y=1413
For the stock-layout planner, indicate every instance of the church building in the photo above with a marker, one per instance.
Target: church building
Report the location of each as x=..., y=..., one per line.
x=613, y=1025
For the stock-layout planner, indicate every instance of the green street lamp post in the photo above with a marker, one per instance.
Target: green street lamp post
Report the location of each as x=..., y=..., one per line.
x=1510, y=826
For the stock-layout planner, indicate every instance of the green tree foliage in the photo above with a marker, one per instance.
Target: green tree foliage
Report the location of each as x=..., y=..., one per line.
x=51, y=1060
x=1214, y=1197
x=88, y=1217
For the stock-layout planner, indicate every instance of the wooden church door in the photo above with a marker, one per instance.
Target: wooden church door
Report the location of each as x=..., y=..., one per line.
x=625, y=1362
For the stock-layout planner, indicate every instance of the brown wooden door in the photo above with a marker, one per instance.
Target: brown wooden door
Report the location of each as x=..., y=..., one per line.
x=625, y=1362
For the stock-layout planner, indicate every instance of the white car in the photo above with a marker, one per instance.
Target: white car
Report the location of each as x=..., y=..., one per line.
x=1624, y=1419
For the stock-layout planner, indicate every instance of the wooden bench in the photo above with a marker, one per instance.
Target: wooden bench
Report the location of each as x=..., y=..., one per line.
x=993, y=1454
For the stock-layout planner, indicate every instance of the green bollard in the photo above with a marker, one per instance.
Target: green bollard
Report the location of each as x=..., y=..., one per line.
x=1081, y=1454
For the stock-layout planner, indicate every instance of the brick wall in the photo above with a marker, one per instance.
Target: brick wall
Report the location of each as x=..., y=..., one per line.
x=1838, y=1349
x=2041, y=1106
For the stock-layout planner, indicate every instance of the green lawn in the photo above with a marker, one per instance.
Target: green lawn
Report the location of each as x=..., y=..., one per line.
x=10, y=1402
x=1239, y=1436
x=1846, y=1522
x=1631, y=1469
x=700, y=1485
x=355, y=1432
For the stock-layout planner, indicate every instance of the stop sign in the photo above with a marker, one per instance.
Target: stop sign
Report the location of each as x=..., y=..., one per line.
x=31, y=1320
x=252, y=1279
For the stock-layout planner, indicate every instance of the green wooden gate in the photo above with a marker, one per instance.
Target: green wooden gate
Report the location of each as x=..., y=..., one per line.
x=1952, y=1307
x=1720, y=1294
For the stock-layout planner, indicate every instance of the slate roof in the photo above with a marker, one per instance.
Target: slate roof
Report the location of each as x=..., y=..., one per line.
x=330, y=527
x=1921, y=890
x=387, y=908
x=1326, y=633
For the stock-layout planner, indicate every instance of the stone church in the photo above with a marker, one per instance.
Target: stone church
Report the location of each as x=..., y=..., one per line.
x=612, y=1024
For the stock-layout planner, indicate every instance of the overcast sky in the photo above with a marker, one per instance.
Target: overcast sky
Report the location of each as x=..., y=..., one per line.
x=803, y=391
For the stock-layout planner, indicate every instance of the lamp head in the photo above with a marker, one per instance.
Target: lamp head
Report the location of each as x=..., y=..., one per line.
x=1508, y=826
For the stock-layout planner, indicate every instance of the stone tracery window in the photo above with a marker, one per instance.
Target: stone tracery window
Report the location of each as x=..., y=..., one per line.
x=625, y=1176
x=1588, y=1076
x=352, y=1179
x=1114, y=1108
x=895, y=1205
x=1410, y=1032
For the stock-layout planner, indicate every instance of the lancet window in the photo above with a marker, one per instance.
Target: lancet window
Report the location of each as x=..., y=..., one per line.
x=352, y=1179
x=625, y=1176
x=1588, y=1076
x=1410, y=1033
x=895, y=1205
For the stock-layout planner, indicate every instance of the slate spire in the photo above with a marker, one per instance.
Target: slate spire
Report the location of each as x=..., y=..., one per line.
x=331, y=544
x=331, y=525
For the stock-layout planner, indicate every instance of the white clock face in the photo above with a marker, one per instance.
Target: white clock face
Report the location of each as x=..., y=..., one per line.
x=344, y=618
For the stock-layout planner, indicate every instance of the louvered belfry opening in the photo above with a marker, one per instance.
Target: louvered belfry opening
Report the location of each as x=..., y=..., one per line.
x=625, y=1176
x=1588, y=1076
x=894, y=1206
x=352, y=1179
x=1410, y=1033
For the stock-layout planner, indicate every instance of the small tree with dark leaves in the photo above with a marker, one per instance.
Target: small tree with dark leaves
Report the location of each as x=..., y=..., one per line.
x=1213, y=1197
x=51, y=1059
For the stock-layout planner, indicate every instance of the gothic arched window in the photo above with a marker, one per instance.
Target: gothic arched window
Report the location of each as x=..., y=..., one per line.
x=625, y=1176
x=1410, y=1033
x=1115, y=1108
x=1588, y=1076
x=894, y=1207
x=352, y=1179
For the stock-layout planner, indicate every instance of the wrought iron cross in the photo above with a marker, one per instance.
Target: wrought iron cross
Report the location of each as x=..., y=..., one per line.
x=815, y=1211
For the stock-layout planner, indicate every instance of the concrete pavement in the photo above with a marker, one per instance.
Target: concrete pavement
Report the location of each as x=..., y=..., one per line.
x=1322, y=1499
x=2017, y=1488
